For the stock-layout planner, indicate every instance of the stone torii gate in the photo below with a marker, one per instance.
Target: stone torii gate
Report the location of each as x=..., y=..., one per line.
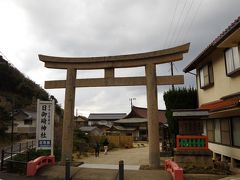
x=108, y=63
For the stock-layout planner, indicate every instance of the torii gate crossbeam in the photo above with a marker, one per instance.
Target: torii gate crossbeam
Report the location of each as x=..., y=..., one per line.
x=109, y=63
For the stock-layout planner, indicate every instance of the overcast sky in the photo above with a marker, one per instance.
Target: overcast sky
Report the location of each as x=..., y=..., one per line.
x=108, y=27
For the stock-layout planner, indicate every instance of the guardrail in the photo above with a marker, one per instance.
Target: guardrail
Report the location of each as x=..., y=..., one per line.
x=34, y=165
x=174, y=169
x=191, y=142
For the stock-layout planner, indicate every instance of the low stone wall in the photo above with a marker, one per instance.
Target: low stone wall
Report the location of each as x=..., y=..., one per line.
x=196, y=158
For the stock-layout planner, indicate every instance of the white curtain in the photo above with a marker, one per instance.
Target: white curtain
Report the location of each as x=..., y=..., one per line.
x=229, y=60
x=236, y=58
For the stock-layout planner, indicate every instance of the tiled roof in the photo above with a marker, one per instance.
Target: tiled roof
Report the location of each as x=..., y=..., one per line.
x=221, y=104
x=230, y=29
x=131, y=120
x=142, y=113
x=28, y=114
x=87, y=128
x=190, y=113
x=80, y=118
x=106, y=116
x=121, y=128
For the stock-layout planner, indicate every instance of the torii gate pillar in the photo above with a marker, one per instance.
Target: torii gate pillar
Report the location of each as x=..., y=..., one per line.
x=67, y=143
x=152, y=116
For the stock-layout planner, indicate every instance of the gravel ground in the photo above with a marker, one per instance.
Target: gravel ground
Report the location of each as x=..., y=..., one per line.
x=132, y=156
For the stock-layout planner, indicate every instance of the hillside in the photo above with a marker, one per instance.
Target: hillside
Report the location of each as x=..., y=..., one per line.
x=18, y=89
x=18, y=92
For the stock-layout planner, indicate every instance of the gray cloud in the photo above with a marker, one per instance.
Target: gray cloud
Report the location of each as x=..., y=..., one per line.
x=104, y=27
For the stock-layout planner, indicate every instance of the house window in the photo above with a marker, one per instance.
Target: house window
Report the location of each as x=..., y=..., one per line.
x=27, y=122
x=204, y=127
x=217, y=132
x=225, y=131
x=232, y=60
x=206, y=75
x=235, y=131
x=210, y=130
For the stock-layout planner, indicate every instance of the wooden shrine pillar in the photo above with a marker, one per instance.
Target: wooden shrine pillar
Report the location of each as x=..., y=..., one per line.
x=152, y=116
x=67, y=136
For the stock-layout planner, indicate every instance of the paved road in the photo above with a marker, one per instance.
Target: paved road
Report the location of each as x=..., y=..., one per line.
x=104, y=167
x=109, y=166
x=57, y=172
x=8, y=176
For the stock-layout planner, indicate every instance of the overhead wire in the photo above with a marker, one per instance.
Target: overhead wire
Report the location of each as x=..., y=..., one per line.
x=170, y=26
x=177, y=23
x=192, y=20
x=181, y=27
x=175, y=28
x=175, y=67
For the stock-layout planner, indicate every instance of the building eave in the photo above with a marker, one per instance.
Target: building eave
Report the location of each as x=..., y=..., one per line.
x=221, y=38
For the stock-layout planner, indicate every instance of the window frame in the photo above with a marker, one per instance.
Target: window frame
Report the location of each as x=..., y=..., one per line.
x=210, y=121
x=228, y=131
x=210, y=73
x=232, y=133
x=235, y=70
x=28, y=122
x=217, y=134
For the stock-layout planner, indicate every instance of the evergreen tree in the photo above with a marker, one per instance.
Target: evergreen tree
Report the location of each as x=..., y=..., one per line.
x=181, y=98
x=4, y=121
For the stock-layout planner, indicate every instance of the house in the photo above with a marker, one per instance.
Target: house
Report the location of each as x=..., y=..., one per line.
x=137, y=127
x=218, y=84
x=105, y=119
x=24, y=122
x=91, y=130
x=80, y=121
x=136, y=123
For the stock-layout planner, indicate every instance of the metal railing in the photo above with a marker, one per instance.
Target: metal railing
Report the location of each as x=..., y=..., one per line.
x=18, y=148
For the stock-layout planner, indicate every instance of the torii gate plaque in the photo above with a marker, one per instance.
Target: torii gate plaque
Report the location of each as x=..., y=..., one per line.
x=108, y=63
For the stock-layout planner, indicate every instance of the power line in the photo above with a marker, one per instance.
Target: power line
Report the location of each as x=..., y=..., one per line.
x=193, y=19
x=175, y=67
x=181, y=27
x=176, y=27
x=170, y=27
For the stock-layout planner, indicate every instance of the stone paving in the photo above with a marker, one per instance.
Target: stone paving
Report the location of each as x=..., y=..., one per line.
x=109, y=166
x=105, y=167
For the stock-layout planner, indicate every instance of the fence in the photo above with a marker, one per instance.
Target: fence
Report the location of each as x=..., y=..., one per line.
x=18, y=148
x=191, y=142
x=121, y=141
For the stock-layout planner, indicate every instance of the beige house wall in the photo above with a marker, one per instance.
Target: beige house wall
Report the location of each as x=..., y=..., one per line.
x=223, y=85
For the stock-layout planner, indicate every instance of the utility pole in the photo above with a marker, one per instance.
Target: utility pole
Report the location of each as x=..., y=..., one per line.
x=12, y=121
x=76, y=112
x=172, y=74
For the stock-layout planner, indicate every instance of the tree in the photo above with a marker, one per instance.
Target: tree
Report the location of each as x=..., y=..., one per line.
x=180, y=98
x=4, y=121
